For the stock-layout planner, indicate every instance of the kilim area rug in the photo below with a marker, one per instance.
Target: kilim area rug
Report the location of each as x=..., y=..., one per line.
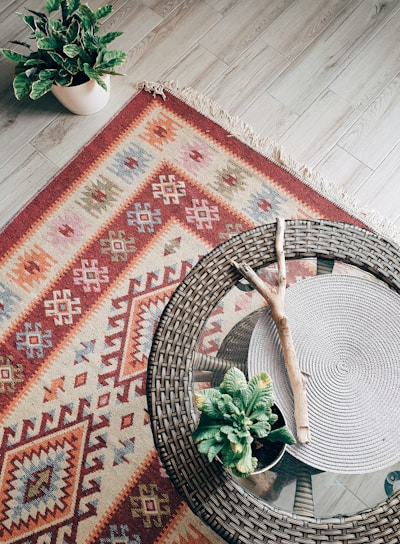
x=86, y=270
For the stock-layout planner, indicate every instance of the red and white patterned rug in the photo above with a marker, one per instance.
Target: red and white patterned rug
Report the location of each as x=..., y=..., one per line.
x=86, y=270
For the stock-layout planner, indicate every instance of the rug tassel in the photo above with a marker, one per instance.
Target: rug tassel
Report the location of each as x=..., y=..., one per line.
x=156, y=89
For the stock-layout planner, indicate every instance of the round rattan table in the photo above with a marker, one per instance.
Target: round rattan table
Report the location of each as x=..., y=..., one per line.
x=210, y=491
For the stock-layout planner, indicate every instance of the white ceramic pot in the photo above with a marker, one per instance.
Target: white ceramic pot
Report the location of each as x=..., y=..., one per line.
x=83, y=99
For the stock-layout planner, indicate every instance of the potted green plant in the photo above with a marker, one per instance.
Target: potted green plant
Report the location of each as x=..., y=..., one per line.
x=69, y=54
x=238, y=422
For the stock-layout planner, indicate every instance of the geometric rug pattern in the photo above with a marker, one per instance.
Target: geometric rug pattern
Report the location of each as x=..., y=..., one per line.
x=86, y=270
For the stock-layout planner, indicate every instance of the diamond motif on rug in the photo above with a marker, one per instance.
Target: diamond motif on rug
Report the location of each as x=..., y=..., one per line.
x=39, y=482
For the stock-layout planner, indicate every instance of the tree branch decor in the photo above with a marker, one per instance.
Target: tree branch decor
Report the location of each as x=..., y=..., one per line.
x=275, y=296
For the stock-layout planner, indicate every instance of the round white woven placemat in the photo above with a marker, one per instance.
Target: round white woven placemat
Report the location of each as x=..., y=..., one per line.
x=346, y=332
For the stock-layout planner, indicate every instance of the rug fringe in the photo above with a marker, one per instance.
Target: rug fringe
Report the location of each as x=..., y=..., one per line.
x=269, y=149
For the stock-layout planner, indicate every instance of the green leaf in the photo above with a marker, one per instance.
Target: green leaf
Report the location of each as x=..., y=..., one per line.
x=63, y=79
x=227, y=407
x=90, y=42
x=203, y=394
x=36, y=61
x=52, y=5
x=234, y=380
x=24, y=44
x=72, y=32
x=214, y=450
x=12, y=55
x=109, y=37
x=72, y=50
x=263, y=413
x=247, y=463
x=235, y=436
x=20, y=67
x=261, y=382
x=260, y=388
x=71, y=66
x=40, y=87
x=114, y=58
x=47, y=44
x=30, y=73
x=73, y=5
x=283, y=434
x=84, y=55
x=48, y=74
x=55, y=26
x=211, y=408
x=88, y=16
x=101, y=82
x=103, y=11
x=228, y=457
x=206, y=429
x=38, y=14
x=260, y=429
x=89, y=71
x=56, y=58
x=28, y=20
x=39, y=34
x=210, y=448
x=22, y=85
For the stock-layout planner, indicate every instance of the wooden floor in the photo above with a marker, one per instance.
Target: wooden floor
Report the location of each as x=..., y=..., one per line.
x=320, y=77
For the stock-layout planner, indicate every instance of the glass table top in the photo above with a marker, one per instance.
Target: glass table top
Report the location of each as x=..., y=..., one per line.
x=324, y=494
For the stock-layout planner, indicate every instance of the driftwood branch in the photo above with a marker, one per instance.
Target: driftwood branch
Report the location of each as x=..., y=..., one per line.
x=275, y=296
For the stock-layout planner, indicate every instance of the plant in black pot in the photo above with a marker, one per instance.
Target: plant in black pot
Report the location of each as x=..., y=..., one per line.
x=238, y=423
x=69, y=51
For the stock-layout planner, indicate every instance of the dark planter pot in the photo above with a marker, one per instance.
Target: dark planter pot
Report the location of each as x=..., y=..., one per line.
x=266, y=452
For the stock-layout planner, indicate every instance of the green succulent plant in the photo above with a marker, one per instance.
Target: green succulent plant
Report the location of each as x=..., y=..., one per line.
x=235, y=414
x=68, y=51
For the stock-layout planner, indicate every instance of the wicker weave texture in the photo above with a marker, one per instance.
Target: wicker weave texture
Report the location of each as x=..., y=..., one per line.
x=233, y=513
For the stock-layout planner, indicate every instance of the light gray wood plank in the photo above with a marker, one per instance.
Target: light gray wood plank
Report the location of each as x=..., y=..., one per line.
x=6, y=4
x=12, y=27
x=162, y=7
x=268, y=117
x=22, y=179
x=9, y=7
x=198, y=68
x=381, y=190
x=318, y=129
x=372, y=137
x=21, y=121
x=303, y=81
x=135, y=20
x=116, y=4
x=343, y=170
x=300, y=24
x=223, y=6
x=247, y=77
x=241, y=26
x=163, y=46
x=373, y=68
